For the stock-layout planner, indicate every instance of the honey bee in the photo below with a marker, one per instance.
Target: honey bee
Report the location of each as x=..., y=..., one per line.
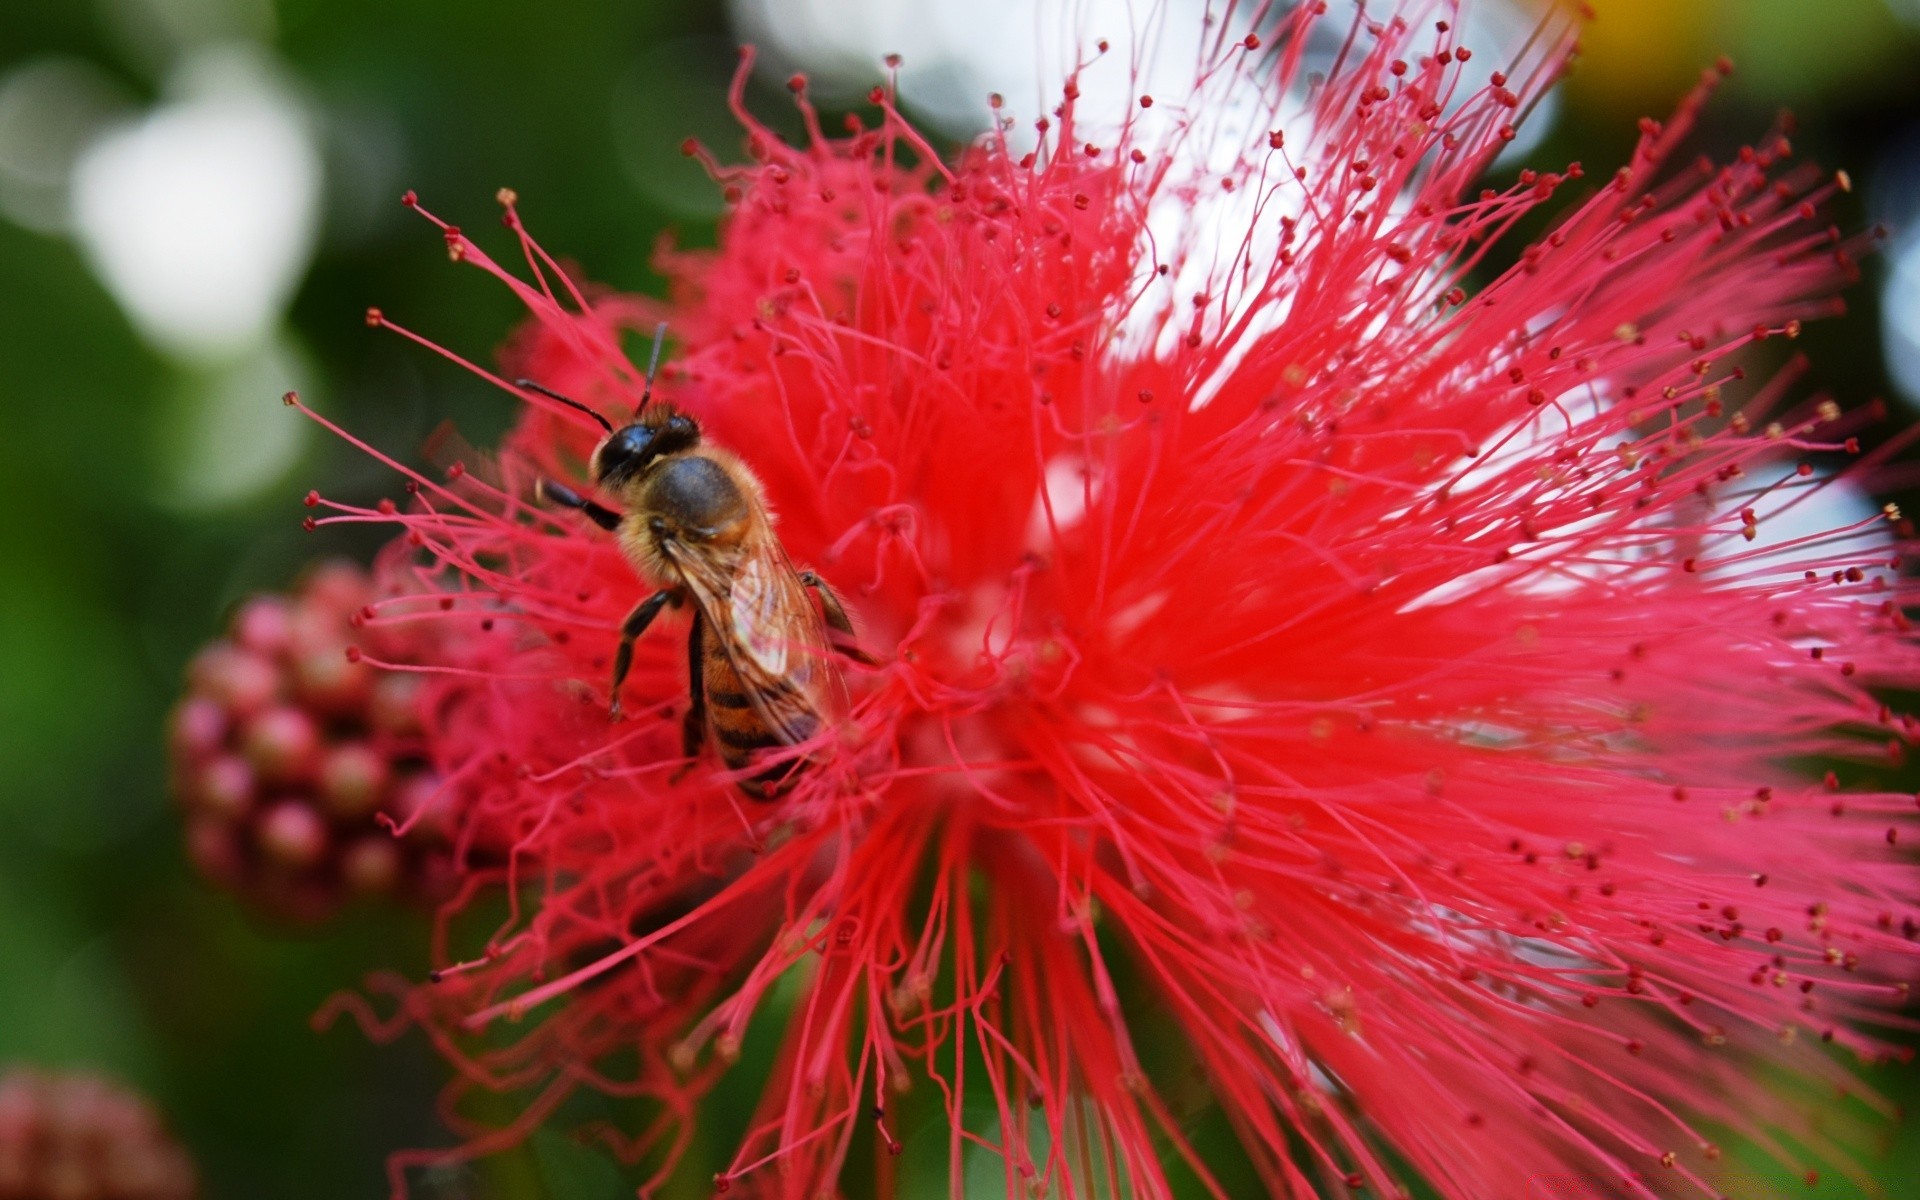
x=695, y=522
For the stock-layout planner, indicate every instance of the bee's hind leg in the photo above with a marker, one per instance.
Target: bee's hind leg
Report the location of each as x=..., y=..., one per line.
x=630, y=630
x=837, y=620
x=693, y=729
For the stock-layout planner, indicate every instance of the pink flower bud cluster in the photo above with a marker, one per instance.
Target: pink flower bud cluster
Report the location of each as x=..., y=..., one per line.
x=295, y=761
x=81, y=1137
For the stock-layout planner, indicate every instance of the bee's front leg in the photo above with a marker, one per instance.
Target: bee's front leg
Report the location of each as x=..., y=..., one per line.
x=630, y=630
x=566, y=497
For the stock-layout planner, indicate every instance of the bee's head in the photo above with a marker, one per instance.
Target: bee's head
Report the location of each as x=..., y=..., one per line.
x=628, y=451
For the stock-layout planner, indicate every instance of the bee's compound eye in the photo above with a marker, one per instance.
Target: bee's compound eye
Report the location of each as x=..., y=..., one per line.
x=624, y=452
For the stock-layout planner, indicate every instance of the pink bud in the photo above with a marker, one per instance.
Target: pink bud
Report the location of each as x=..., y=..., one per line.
x=224, y=788
x=352, y=778
x=418, y=805
x=282, y=744
x=198, y=727
x=263, y=625
x=335, y=586
x=327, y=678
x=293, y=835
x=242, y=681
x=371, y=866
x=394, y=707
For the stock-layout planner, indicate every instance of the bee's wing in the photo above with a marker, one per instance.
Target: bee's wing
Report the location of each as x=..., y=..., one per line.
x=764, y=622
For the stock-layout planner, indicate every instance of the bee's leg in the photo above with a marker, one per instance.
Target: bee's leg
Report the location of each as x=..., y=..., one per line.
x=630, y=630
x=566, y=497
x=694, y=730
x=836, y=613
x=837, y=620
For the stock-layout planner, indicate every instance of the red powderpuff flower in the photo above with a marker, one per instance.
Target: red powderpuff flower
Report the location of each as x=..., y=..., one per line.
x=1329, y=651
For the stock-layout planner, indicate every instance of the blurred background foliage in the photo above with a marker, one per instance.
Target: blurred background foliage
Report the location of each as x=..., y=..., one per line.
x=199, y=202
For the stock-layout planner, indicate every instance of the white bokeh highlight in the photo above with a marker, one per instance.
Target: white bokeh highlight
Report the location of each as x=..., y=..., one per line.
x=222, y=436
x=200, y=217
x=955, y=53
x=1900, y=315
x=50, y=109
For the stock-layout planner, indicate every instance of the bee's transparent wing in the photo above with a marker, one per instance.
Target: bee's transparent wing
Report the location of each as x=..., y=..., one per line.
x=762, y=618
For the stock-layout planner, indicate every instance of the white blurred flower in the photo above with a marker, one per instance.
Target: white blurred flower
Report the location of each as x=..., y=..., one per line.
x=1794, y=512
x=1900, y=316
x=200, y=217
x=222, y=436
x=955, y=53
x=153, y=34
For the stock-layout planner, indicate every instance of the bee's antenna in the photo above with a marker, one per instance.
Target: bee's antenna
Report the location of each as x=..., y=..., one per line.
x=653, y=364
x=550, y=394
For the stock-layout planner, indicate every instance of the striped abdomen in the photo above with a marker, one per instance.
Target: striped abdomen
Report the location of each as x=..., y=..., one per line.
x=740, y=733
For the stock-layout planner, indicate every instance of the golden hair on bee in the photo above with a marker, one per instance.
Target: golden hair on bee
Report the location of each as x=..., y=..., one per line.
x=693, y=521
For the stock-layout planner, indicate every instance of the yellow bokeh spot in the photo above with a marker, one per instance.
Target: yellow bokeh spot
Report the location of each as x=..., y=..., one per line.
x=1642, y=55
